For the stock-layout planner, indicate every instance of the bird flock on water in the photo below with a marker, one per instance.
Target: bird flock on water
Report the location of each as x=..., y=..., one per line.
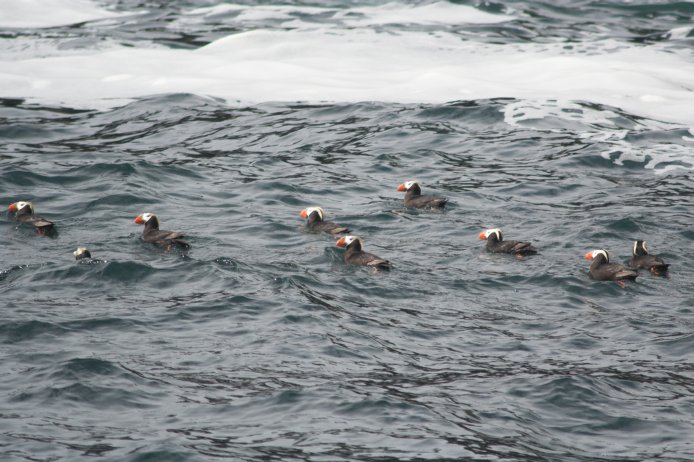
x=601, y=269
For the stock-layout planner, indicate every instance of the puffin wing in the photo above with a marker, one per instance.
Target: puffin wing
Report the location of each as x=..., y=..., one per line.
x=368, y=259
x=166, y=238
x=331, y=228
x=625, y=274
x=41, y=222
x=426, y=201
x=515, y=247
x=613, y=271
x=524, y=248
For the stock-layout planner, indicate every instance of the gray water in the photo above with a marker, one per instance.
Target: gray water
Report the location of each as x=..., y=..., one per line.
x=260, y=343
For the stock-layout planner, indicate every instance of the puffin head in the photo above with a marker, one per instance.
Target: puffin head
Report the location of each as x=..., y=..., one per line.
x=82, y=252
x=143, y=218
x=305, y=213
x=404, y=187
x=593, y=254
x=640, y=248
x=484, y=235
x=19, y=206
x=347, y=240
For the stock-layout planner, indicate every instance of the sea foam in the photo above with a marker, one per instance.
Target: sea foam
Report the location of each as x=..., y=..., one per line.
x=361, y=63
x=50, y=13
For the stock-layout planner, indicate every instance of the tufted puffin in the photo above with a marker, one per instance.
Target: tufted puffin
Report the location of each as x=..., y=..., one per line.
x=356, y=256
x=641, y=259
x=415, y=199
x=24, y=213
x=315, y=216
x=82, y=253
x=496, y=244
x=153, y=234
x=602, y=270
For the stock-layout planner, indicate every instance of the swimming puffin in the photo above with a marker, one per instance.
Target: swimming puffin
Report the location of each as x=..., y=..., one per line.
x=642, y=260
x=602, y=270
x=81, y=253
x=415, y=199
x=315, y=222
x=153, y=234
x=496, y=244
x=356, y=256
x=24, y=213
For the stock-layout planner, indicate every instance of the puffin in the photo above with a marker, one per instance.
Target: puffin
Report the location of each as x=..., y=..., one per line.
x=356, y=256
x=24, y=213
x=315, y=222
x=153, y=234
x=82, y=253
x=642, y=260
x=415, y=199
x=497, y=244
x=602, y=270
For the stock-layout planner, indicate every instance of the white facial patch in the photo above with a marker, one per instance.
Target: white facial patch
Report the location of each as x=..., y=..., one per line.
x=79, y=251
x=310, y=210
x=603, y=252
x=496, y=231
x=409, y=184
x=21, y=204
x=146, y=217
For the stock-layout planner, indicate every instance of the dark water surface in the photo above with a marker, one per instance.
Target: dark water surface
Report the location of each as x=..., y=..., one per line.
x=260, y=343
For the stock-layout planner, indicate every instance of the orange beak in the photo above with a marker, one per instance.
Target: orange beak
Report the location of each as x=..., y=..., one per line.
x=589, y=255
x=12, y=207
x=401, y=188
x=139, y=220
x=303, y=213
x=340, y=242
x=483, y=236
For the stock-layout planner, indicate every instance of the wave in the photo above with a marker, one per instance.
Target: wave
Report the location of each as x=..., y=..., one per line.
x=50, y=13
x=350, y=59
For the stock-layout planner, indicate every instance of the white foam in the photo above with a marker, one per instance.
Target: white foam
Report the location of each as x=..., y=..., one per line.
x=50, y=13
x=363, y=65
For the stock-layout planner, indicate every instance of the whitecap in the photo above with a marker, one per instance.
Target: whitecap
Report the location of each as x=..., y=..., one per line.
x=50, y=13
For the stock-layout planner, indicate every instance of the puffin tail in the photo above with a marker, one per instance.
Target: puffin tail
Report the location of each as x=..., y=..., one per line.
x=626, y=274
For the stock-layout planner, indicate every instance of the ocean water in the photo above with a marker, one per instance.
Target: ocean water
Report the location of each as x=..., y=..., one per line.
x=569, y=124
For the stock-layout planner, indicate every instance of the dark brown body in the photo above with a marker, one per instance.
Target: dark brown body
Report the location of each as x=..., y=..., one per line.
x=166, y=239
x=316, y=223
x=356, y=256
x=415, y=199
x=641, y=259
x=602, y=270
x=521, y=248
x=26, y=215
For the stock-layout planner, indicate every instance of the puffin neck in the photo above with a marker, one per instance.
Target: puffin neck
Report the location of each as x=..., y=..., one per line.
x=599, y=260
x=492, y=239
x=152, y=223
x=26, y=210
x=640, y=251
x=414, y=190
x=354, y=246
x=314, y=218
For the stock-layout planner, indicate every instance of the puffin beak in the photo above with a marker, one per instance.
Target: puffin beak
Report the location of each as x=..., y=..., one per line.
x=482, y=236
x=12, y=207
x=340, y=242
x=589, y=255
x=401, y=188
x=303, y=213
x=139, y=220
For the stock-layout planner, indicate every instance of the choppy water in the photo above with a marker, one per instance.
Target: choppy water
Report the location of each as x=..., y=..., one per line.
x=259, y=343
